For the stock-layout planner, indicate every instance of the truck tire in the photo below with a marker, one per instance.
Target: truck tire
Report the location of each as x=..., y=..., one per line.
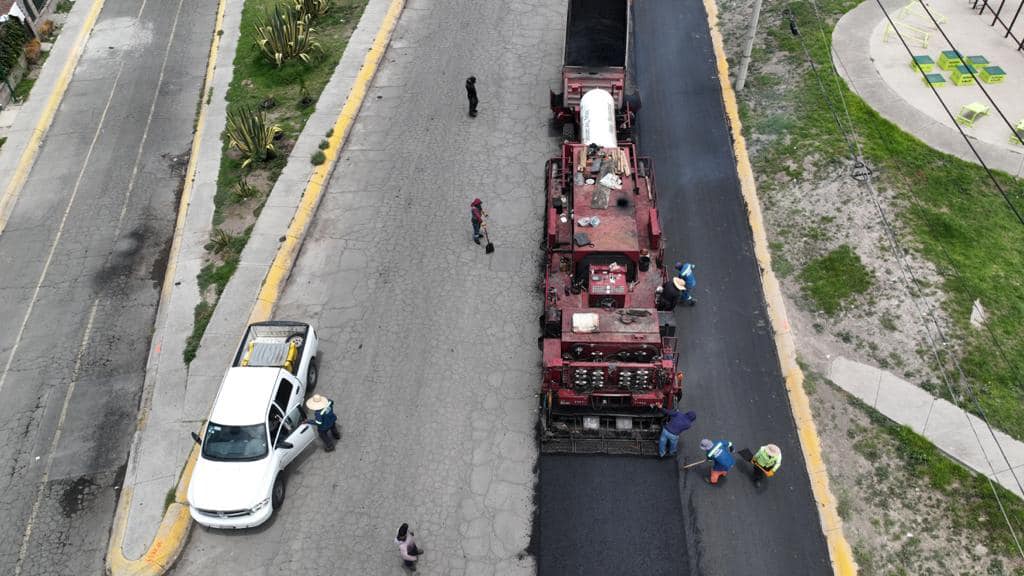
x=277, y=492
x=312, y=375
x=569, y=131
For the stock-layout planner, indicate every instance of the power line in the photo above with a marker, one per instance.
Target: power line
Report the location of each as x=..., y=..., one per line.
x=909, y=277
x=956, y=124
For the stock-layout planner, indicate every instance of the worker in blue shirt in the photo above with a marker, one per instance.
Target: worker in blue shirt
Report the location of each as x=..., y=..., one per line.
x=719, y=453
x=677, y=424
x=686, y=272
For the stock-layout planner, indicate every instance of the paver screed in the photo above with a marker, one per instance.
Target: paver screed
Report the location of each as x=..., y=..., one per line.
x=428, y=344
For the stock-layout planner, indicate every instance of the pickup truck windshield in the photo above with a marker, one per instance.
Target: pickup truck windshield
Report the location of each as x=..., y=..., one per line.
x=235, y=442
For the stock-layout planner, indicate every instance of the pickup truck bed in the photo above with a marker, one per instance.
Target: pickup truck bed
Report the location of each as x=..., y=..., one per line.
x=277, y=344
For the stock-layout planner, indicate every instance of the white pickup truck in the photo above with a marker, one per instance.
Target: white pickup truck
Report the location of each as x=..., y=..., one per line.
x=256, y=428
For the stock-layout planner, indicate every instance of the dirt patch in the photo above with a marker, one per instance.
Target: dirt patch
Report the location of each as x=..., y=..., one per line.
x=896, y=522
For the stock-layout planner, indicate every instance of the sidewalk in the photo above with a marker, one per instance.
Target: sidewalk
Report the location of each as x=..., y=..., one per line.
x=952, y=430
x=33, y=118
x=177, y=398
x=880, y=73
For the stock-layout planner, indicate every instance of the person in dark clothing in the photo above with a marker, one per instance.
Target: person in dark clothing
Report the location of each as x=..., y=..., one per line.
x=671, y=293
x=325, y=420
x=471, y=94
x=476, y=217
x=677, y=423
x=407, y=548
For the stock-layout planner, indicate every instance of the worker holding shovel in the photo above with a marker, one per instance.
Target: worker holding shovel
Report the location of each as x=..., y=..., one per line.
x=719, y=453
x=477, y=218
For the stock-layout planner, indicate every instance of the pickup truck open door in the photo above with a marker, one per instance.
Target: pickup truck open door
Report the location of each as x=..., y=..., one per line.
x=294, y=444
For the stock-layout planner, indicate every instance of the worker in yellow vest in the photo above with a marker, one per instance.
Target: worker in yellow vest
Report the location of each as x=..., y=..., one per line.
x=766, y=461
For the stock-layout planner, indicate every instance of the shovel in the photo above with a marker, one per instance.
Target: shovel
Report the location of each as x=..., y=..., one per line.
x=692, y=464
x=489, y=248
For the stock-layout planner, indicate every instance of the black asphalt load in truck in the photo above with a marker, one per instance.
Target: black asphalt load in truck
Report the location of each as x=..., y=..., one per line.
x=597, y=40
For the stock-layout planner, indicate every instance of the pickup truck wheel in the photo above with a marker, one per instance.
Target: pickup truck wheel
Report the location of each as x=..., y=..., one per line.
x=312, y=375
x=277, y=493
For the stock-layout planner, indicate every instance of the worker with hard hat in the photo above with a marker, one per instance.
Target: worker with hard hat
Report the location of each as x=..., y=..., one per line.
x=670, y=293
x=325, y=420
x=766, y=461
x=719, y=453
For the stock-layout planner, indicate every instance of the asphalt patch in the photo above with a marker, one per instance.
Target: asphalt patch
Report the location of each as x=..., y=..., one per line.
x=609, y=515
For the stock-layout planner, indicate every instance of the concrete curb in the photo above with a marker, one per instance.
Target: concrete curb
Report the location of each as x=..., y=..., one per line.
x=253, y=271
x=831, y=524
x=28, y=141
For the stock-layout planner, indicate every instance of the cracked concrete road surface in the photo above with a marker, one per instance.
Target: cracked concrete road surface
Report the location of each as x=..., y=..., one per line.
x=429, y=345
x=82, y=258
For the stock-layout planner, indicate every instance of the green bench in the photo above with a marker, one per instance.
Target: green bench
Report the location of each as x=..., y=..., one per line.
x=1014, y=139
x=970, y=113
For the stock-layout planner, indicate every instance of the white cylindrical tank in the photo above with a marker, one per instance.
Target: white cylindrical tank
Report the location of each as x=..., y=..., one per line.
x=597, y=119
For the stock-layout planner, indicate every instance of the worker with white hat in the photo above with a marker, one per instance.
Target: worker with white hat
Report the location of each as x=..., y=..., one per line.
x=766, y=461
x=325, y=420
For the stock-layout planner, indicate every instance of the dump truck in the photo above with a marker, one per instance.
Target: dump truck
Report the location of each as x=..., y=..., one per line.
x=597, y=42
x=256, y=428
x=609, y=355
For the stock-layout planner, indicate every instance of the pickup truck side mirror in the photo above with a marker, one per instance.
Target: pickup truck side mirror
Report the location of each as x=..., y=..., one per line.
x=285, y=445
x=197, y=438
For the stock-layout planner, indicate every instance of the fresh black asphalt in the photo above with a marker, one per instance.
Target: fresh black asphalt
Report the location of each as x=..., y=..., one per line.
x=622, y=516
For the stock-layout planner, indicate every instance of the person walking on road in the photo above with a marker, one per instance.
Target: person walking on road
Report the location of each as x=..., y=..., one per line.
x=476, y=217
x=686, y=272
x=677, y=423
x=407, y=548
x=471, y=94
x=719, y=453
x=766, y=461
x=325, y=420
x=670, y=293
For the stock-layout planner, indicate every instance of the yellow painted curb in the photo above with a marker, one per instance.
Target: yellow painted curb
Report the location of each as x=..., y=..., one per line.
x=173, y=531
x=277, y=275
x=831, y=524
x=28, y=156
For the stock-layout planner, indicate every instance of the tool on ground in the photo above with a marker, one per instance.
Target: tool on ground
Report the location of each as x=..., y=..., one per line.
x=692, y=464
x=489, y=248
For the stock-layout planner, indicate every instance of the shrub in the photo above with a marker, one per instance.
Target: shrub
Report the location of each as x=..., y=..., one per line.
x=64, y=6
x=313, y=8
x=249, y=131
x=285, y=34
x=45, y=29
x=835, y=277
x=317, y=158
x=13, y=36
x=33, y=51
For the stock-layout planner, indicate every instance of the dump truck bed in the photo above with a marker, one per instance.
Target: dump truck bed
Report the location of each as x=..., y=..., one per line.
x=597, y=33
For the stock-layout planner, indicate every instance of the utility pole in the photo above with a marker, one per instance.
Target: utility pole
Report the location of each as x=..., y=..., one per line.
x=741, y=75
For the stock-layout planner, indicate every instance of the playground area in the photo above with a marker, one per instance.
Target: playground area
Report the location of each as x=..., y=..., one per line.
x=982, y=52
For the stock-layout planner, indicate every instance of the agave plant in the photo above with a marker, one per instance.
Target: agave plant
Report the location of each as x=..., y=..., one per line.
x=250, y=132
x=313, y=8
x=284, y=34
